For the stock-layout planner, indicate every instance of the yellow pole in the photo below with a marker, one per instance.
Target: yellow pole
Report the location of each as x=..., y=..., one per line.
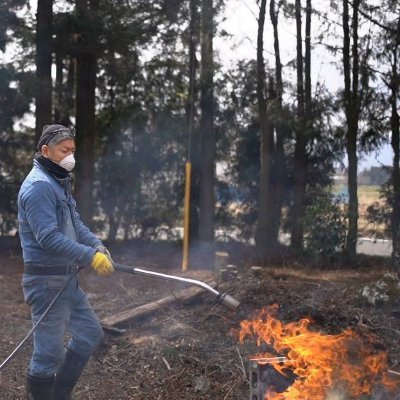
x=186, y=219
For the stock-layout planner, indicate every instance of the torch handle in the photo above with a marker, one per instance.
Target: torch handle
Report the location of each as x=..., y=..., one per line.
x=124, y=268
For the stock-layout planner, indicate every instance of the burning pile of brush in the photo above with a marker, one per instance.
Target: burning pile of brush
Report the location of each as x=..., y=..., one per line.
x=319, y=366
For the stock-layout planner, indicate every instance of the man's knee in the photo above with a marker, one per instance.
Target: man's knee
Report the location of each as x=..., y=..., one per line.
x=95, y=336
x=88, y=340
x=45, y=364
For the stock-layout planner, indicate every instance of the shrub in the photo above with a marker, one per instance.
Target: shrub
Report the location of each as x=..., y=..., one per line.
x=325, y=228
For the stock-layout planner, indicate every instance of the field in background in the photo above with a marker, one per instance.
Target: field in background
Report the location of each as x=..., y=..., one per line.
x=367, y=195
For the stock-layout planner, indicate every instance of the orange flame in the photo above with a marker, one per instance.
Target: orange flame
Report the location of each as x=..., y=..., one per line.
x=321, y=362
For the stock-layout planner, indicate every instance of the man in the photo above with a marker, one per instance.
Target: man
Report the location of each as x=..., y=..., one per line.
x=54, y=242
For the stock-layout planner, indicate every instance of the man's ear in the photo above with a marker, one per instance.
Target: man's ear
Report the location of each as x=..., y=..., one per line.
x=45, y=151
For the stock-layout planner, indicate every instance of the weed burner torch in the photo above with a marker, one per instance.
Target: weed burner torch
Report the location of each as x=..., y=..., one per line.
x=223, y=298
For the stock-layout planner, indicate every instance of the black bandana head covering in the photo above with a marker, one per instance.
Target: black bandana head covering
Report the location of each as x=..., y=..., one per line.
x=52, y=134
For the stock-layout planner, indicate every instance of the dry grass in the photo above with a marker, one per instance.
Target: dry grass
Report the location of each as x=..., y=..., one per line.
x=368, y=194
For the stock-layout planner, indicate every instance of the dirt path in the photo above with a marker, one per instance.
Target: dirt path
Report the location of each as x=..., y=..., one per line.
x=189, y=351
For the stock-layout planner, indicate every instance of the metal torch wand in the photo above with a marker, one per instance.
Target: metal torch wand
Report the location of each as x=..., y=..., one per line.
x=223, y=298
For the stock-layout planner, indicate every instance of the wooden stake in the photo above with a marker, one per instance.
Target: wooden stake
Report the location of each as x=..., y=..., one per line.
x=186, y=222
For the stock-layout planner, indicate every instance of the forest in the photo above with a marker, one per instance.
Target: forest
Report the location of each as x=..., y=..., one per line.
x=147, y=91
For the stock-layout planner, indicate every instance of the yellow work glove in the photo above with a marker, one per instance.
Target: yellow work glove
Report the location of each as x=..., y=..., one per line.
x=103, y=249
x=102, y=265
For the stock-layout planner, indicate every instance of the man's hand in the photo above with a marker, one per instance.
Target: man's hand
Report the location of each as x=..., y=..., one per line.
x=102, y=265
x=103, y=249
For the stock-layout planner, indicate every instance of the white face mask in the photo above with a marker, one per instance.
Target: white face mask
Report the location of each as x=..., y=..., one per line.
x=68, y=162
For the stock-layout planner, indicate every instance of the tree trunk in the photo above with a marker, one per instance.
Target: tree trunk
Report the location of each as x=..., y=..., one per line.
x=44, y=32
x=298, y=208
x=352, y=107
x=279, y=154
x=263, y=231
x=59, y=106
x=63, y=102
x=307, y=71
x=193, y=142
x=85, y=119
x=207, y=167
x=395, y=128
x=114, y=224
x=68, y=93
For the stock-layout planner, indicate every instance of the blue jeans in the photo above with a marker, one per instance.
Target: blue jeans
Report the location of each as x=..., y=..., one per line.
x=71, y=313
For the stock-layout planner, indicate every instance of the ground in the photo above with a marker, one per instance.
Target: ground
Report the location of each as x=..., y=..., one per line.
x=191, y=350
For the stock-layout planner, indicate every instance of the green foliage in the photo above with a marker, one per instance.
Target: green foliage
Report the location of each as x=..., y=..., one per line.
x=14, y=144
x=142, y=126
x=10, y=23
x=238, y=148
x=379, y=214
x=325, y=226
x=141, y=174
x=142, y=115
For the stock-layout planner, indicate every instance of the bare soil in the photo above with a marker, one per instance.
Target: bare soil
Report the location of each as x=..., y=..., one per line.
x=190, y=350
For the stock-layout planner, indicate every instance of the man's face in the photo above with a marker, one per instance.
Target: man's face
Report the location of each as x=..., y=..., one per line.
x=56, y=152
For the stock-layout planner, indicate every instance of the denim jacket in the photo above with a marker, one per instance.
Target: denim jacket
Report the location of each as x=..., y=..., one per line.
x=50, y=228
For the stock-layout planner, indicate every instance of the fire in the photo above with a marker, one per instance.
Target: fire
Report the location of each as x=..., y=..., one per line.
x=321, y=362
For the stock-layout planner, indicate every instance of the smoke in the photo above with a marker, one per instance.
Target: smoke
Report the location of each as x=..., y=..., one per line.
x=336, y=394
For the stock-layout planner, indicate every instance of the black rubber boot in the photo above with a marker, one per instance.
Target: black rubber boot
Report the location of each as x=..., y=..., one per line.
x=40, y=388
x=68, y=374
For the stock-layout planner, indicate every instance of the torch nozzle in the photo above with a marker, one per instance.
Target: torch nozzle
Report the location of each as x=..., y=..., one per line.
x=229, y=302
